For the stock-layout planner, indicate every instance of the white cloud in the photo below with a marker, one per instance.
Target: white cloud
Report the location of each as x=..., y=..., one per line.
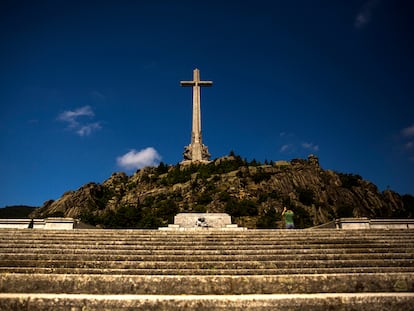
x=139, y=159
x=295, y=147
x=408, y=131
x=285, y=148
x=310, y=146
x=293, y=144
x=364, y=15
x=73, y=118
x=87, y=129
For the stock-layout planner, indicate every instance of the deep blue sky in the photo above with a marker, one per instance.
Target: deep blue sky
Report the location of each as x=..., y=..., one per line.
x=83, y=83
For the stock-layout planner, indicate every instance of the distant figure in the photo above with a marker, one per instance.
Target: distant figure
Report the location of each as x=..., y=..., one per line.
x=201, y=222
x=288, y=214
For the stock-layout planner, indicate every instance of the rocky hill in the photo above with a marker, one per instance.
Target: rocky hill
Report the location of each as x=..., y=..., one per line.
x=253, y=193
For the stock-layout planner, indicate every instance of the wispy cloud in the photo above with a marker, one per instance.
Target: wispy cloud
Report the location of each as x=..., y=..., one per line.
x=293, y=144
x=87, y=129
x=285, y=134
x=364, y=16
x=285, y=148
x=310, y=146
x=74, y=120
x=409, y=145
x=407, y=137
x=97, y=96
x=408, y=131
x=139, y=159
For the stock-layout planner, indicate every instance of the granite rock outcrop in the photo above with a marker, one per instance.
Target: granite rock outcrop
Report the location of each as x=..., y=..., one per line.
x=253, y=193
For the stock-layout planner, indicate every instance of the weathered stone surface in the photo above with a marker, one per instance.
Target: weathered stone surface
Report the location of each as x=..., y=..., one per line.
x=207, y=284
x=311, y=302
x=365, y=223
x=154, y=270
x=196, y=151
x=52, y=223
x=213, y=220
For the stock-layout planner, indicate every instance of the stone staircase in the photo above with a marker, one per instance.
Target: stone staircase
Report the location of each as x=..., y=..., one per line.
x=206, y=270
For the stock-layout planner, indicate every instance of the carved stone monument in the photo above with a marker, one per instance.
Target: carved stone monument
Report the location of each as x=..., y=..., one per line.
x=196, y=151
x=202, y=221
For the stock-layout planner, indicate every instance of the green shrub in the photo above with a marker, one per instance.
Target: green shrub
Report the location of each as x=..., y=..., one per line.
x=344, y=211
x=241, y=208
x=204, y=198
x=306, y=196
x=261, y=176
x=302, y=218
x=166, y=209
x=349, y=180
x=268, y=220
x=408, y=201
x=57, y=214
x=224, y=196
x=199, y=208
x=151, y=221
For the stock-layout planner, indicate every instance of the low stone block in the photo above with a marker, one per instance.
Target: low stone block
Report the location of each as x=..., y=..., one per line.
x=14, y=223
x=57, y=223
x=211, y=220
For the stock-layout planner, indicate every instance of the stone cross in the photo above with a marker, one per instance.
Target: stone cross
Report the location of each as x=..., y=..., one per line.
x=196, y=151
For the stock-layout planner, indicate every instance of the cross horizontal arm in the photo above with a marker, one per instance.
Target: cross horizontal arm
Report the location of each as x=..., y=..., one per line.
x=187, y=83
x=205, y=83
x=200, y=83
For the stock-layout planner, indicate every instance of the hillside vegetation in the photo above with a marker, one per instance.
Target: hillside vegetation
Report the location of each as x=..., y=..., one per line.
x=16, y=211
x=252, y=193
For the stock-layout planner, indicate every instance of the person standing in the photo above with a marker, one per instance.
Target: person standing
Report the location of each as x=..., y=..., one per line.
x=288, y=214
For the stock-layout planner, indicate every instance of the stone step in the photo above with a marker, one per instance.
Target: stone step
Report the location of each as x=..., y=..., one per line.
x=114, y=233
x=34, y=234
x=201, y=235
x=409, y=257
x=245, y=240
x=130, y=251
x=186, y=271
x=203, y=257
x=207, y=270
x=225, y=250
x=211, y=230
x=212, y=245
x=150, y=234
x=209, y=265
x=309, y=302
x=170, y=245
x=192, y=244
x=206, y=284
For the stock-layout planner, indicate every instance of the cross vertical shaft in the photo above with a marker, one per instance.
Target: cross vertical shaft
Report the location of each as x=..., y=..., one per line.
x=196, y=151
